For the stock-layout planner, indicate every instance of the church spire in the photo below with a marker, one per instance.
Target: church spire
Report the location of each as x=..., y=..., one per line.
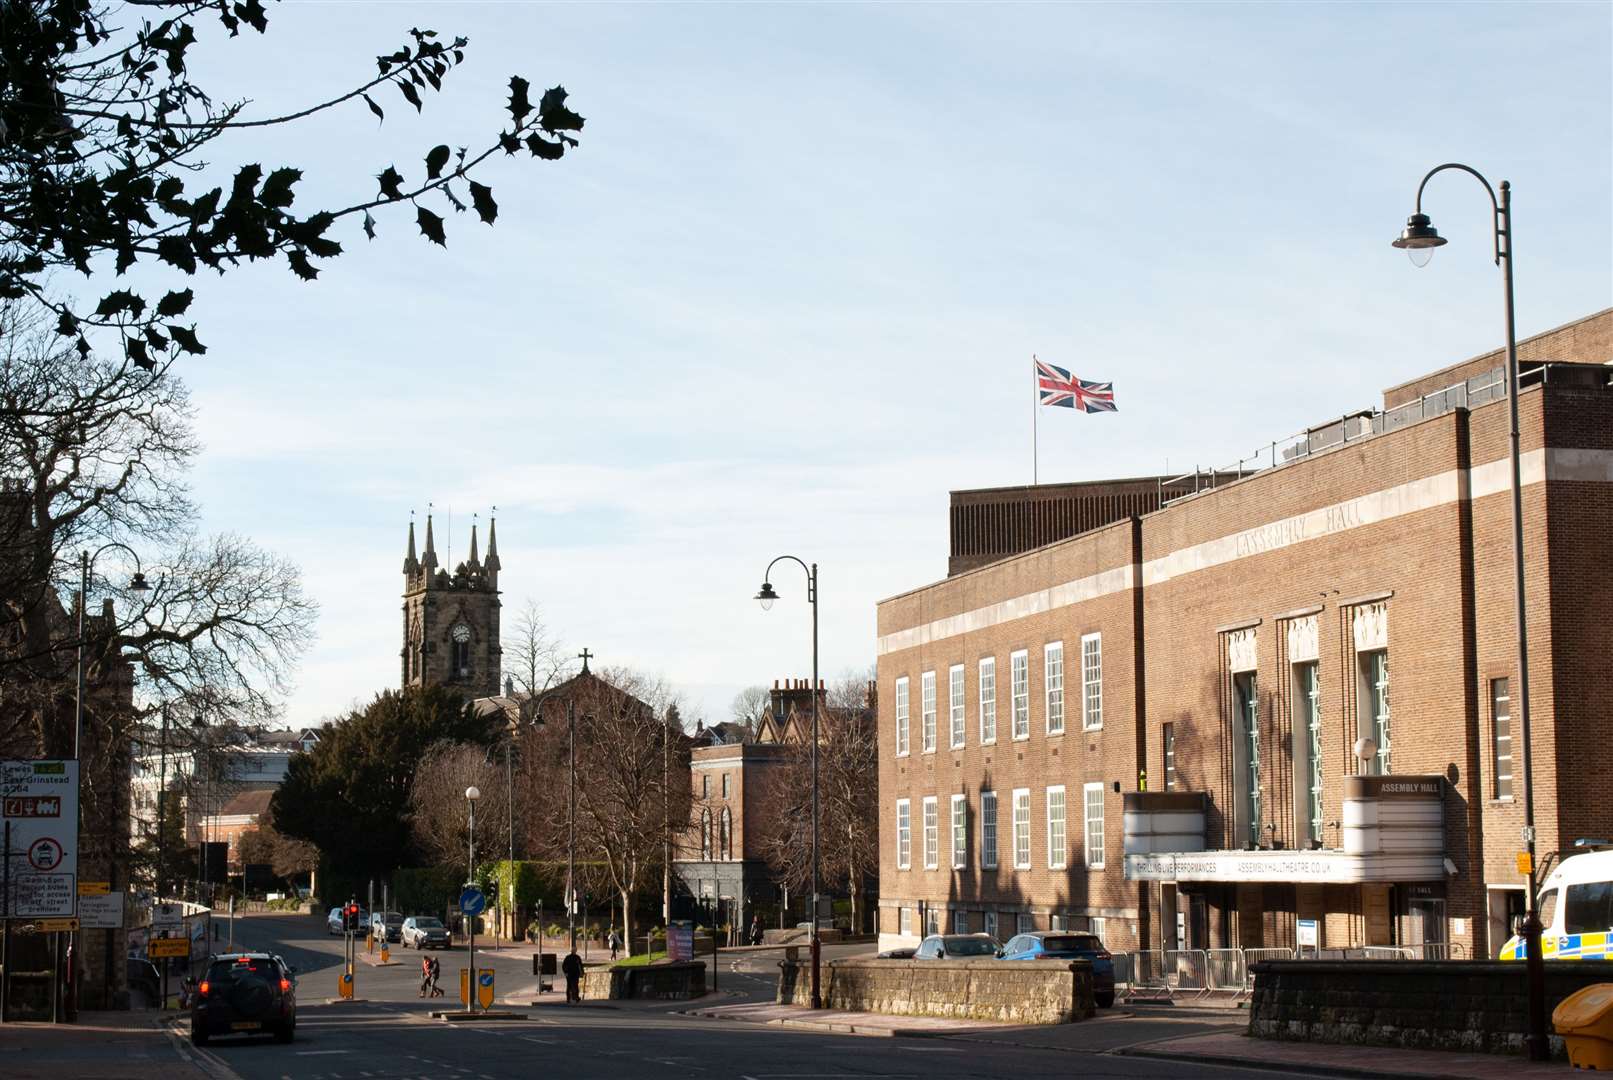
x=429, y=560
x=492, y=563
x=411, y=565
x=474, y=562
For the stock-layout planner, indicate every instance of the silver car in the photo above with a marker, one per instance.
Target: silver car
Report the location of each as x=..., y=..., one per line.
x=424, y=932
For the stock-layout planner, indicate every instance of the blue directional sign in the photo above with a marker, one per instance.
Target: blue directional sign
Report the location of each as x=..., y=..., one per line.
x=471, y=901
x=485, y=978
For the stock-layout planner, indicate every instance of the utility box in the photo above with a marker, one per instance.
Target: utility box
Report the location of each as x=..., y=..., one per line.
x=1585, y=1021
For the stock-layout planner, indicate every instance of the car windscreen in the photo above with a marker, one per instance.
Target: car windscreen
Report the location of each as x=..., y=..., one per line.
x=970, y=947
x=428, y=924
x=228, y=972
x=393, y=919
x=1072, y=943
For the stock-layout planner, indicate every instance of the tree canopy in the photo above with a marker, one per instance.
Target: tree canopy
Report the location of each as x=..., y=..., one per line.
x=102, y=130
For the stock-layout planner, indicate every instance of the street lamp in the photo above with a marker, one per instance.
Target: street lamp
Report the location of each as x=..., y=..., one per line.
x=571, y=805
x=767, y=596
x=472, y=793
x=1419, y=239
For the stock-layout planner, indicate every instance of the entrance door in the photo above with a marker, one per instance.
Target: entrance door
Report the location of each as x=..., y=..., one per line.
x=1425, y=924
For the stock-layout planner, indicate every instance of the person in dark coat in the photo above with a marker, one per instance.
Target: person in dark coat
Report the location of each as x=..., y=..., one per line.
x=756, y=930
x=571, y=967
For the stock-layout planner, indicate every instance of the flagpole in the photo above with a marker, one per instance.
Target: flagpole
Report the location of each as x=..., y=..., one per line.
x=1035, y=446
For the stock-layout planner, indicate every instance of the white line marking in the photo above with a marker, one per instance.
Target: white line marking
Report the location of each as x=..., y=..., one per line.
x=316, y=1053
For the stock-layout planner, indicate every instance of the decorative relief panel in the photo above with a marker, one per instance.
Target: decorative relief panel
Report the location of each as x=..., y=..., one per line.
x=1241, y=650
x=1371, y=624
x=1302, y=640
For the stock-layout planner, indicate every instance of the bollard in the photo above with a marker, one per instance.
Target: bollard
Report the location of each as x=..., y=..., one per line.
x=369, y=942
x=386, y=957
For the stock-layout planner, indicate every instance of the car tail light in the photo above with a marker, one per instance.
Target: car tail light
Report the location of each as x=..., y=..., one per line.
x=1105, y=956
x=285, y=986
x=205, y=988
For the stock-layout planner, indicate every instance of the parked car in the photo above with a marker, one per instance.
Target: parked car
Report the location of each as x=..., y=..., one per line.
x=333, y=921
x=955, y=947
x=1063, y=945
x=896, y=954
x=144, y=976
x=387, y=925
x=245, y=994
x=424, y=932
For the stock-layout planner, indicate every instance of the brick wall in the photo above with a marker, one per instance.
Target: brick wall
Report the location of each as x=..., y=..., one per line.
x=1039, y=993
x=1584, y=341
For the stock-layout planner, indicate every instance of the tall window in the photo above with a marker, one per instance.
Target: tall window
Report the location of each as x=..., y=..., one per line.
x=1024, y=922
x=1246, y=698
x=1057, y=847
x=726, y=790
x=461, y=658
x=907, y=921
x=988, y=700
x=1168, y=737
x=1019, y=671
x=1308, y=735
x=960, y=831
x=960, y=922
x=1375, y=703
x=927, y=711
x=1501, y=725
x=726, y=837
x=1022, y=828
x=705, y=836
x=1091, y=682
x=991, y=924
x=904, y=834
x=901, y=716
x=1092, y=822
x=988, y=830
x=705, y=786
x=1053, y=672
x=955, y=703
x=932, y=834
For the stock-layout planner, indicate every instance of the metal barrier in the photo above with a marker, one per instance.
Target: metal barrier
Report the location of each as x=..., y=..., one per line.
x=1225, y=971
x=1436, y=950
x=1251, y=957
x=1170, y=974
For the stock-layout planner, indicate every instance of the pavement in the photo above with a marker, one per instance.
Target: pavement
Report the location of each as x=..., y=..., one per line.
x=1327, y=1059
x=127, y=1045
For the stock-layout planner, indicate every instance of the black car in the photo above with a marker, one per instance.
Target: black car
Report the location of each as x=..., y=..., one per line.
x=245, y=994
x=143, y=976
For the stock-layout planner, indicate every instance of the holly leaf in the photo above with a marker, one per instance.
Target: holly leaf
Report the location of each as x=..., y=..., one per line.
x=82, y=346
x=482, y=196
x=543, y=148
x=176, y=251
x=155, y=339
x=174, y=304
x=253, y=14
x=300, y=265
x=554, y=114
x=114, y=303
x=135, y=350
x=277, y=189
x=410, y=94
x=391, y=183
x=435, y=161
x=459, y=207
x=519, y=104
x=431, y=226
x=508, y=142
x=374, y=108
x=369, y=225
x=186, y=338
x=66, y=325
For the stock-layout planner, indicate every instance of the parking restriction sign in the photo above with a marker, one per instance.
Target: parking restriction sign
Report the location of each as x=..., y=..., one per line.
x=39, y=813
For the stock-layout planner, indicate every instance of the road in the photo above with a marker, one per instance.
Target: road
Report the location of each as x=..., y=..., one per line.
x=391, y=1035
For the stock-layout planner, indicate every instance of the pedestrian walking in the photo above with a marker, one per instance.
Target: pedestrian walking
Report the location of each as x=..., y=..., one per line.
x=425, y=975
x=756, y=930
x=571, y=967
x=614, y=942
x=434, y=972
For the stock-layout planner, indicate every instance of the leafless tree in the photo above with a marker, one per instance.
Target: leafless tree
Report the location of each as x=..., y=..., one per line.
x=441, y=817
x=748, y=707
x=848, y=798
x=535, y=657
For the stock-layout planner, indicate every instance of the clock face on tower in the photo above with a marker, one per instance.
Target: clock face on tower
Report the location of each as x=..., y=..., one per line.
x=461, y=633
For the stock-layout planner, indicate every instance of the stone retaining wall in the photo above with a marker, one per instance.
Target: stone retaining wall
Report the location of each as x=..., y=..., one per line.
x=1018, y=993
x=672, y=982
x=1478, y=1006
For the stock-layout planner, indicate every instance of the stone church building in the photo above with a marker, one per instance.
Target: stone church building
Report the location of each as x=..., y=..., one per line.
x=450, y=621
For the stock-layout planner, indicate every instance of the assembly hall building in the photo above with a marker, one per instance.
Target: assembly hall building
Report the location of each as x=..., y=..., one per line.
x=1216, y=710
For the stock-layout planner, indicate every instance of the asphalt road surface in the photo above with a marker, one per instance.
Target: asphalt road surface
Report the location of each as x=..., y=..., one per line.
x=391, y=1035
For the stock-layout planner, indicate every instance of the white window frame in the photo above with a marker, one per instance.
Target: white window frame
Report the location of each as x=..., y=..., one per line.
x=727, y=789
x=1501, y=709
x=1087, y=823
x=1058, y=843
x=1019, y=668
x=932, y=832
x=1098, y=925
x=927, y=712
x=1167, y=750
x=1022, y=827
x=1092, y=682
x=991, y=924
x=955, y=705
x=960, y=922
x=1053, y=685
x=903, y=716
x=988, y=830
x=905, y=920
x=1025, y=923
x=960, y=832
x=986, y=687
x=932, y=921
x=904, y=834
x=1376, y=722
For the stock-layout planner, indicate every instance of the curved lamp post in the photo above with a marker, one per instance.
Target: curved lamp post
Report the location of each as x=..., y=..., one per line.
x=571, y=805
x=1418, y=240
x=767, y=596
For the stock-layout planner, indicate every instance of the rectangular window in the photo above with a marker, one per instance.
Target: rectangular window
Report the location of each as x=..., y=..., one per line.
x=1168, y=736
x=960, y=922
x=1099, y=926
x=988, y=700
x=705, y=787
x=1246, y=699
x=960, y=832
x=1308, y=737
x=1374, y=668
x=1091, y=682
x=1092, y=822
x=1022, y=828
x=1589, y=908
x=1025, y=922
x=904, y=834
x=1058, y=922
x=1053, y=680
x=726, y=790
x=1501, y=725
x=927, y=711
x=901, y=717
x=988, y=830
x=1057, y=848
x=932, y=921
x=907, y=921
x=932, y=833
x=955, y=704
x=991, y=924
x=1019, y=672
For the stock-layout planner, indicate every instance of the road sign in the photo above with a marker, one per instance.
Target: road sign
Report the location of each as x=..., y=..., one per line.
x=39, y=802
x=162, y=948
x=484, y=987
x=101, y=911
x=471, y=901
x=1525, y=863
x=1307, y=932
x=55, y=926
x=167, y=916
x=94, y=888
x=680, y=943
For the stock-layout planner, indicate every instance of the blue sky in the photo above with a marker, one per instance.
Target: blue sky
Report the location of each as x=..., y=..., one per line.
x=785, y=296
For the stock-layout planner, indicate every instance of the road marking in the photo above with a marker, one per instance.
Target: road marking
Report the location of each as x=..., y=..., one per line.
x=316, y=1053
x=933, y=1049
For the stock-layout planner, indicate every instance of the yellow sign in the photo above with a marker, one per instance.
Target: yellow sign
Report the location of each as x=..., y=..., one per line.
x=345, y=987
x=484, y=987
x=1524, y=863
x=163, y=948
x=55, y=926
x=94, y=888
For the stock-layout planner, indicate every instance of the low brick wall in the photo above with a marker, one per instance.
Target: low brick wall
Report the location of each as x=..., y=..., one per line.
x=1478, y=1006
x=670, y=982
x=1016, y=993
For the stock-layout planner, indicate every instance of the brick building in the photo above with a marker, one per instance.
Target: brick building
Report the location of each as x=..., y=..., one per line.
x=1178, y=728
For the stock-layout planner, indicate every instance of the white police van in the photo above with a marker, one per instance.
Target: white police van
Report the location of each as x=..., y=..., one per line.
x=1576, y=911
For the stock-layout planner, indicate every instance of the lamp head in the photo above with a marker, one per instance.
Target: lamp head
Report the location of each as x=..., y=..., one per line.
x=138, y=584
x=767, y=596
x=1419, y=239
x=473, y=793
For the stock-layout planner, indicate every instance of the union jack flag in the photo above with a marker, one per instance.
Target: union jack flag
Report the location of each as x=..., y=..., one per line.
x=1056, y=386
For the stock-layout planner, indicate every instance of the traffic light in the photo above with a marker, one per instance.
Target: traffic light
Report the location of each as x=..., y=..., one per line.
x=350, y=916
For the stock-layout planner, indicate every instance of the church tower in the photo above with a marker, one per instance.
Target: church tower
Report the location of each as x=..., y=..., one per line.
x=450, y=621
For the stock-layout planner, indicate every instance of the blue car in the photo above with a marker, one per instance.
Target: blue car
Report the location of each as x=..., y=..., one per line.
x=1065, y=945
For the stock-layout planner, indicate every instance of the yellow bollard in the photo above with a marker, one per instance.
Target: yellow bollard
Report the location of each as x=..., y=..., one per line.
x=386, y=956
x=344, y=988
x=369, y=943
